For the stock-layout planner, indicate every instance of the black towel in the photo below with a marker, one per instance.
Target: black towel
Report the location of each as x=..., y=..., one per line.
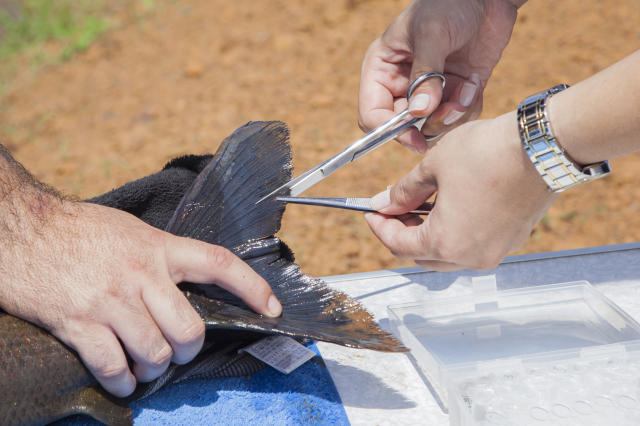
x=154, y=198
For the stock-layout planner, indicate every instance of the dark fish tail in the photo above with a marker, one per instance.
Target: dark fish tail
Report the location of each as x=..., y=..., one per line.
x=220, y=208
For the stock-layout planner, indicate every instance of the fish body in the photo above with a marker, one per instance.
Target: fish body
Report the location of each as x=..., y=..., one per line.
x=42, y=380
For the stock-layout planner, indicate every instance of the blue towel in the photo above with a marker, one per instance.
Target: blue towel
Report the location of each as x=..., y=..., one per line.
x=305, y=396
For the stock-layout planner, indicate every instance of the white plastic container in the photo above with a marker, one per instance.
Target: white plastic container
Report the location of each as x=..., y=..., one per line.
x=556, y=354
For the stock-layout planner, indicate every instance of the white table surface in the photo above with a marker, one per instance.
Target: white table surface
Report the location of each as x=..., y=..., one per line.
x=385, y=389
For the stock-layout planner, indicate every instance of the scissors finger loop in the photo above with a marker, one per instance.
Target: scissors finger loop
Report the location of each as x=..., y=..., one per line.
x=422, y=78
x=432, y=138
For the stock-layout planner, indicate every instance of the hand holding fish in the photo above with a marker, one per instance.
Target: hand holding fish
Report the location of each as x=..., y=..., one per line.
x=94, y=275
x=462, y=39
x=489, y=194
x=80, y=270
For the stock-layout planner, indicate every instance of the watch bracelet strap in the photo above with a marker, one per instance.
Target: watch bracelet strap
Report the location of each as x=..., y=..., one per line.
x=556, y=168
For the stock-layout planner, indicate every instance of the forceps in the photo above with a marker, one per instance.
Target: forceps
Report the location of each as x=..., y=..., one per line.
x=358, y=204
x=372, y=140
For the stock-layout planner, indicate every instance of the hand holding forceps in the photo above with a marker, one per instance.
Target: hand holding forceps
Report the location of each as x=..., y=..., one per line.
x=372, y=140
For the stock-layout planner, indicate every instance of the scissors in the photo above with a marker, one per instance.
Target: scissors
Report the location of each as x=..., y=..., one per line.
x=358, y=204
x=372, y=140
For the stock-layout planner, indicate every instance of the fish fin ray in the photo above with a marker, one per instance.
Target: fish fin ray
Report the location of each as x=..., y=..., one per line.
x=248, y=164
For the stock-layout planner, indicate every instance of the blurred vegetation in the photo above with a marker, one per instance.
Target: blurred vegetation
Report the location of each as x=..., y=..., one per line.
x=26, y=24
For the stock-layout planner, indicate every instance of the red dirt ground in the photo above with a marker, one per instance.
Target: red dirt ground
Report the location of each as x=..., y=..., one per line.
x=183, y=76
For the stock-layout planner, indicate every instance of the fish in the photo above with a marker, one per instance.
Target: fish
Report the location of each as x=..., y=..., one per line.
x=43, y=380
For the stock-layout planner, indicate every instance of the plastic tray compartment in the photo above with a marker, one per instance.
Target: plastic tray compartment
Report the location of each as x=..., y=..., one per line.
x=481, y=353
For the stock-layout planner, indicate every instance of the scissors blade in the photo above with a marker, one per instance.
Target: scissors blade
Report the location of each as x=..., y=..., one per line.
x=361, y=204
x=311, y=177
x=357, y=149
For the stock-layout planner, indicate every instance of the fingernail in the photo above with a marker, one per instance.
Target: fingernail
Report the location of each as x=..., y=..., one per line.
x=467, y=93
x=381, y=200
x=419, y=102
x=274, y=306
x=452, y=117
x=127, y=388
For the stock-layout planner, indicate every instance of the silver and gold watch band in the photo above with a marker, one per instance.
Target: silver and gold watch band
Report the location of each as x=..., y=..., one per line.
x=557, y=169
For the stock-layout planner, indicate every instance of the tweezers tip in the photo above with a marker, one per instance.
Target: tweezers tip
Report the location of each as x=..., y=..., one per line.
x=269, y=195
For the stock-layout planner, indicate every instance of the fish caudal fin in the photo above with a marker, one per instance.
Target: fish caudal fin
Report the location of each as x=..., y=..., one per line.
x=220, y=208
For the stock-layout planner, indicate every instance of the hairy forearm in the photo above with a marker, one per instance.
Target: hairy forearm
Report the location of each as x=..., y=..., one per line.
x=25, y=203
x=11, y=175
x=599, y=118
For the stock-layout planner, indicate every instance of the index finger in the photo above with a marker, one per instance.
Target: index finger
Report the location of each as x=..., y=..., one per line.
x=383, y=85
x=200, y=262
x=382, y=80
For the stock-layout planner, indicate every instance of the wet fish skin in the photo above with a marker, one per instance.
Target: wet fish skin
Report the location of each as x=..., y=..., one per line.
x=42, y=380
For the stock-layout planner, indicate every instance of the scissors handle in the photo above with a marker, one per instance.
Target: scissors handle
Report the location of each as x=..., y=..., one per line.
x=392, y=128
x=414, y=85
x=382, y=134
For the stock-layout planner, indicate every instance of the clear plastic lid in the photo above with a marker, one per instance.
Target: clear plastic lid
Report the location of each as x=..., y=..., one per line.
x=490, y=330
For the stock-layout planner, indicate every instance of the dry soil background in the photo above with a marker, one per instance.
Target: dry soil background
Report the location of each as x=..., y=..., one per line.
x=186, y=74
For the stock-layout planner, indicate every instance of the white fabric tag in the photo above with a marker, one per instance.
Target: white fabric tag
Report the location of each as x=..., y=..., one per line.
x=280, y=352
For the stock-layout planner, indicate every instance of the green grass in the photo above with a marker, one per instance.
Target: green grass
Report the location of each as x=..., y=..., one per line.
x=72, y=23
x=567, y=217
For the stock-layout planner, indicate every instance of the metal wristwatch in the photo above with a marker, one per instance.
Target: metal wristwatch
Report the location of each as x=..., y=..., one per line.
x=557, y=169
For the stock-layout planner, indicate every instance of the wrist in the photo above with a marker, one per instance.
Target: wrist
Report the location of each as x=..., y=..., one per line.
x=577, y=141
x=523, y=170
x=597, y=118
x=25, y=203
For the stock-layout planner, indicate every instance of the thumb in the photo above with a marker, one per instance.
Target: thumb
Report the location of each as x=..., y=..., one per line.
x=411, y=191
x=426, y=58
